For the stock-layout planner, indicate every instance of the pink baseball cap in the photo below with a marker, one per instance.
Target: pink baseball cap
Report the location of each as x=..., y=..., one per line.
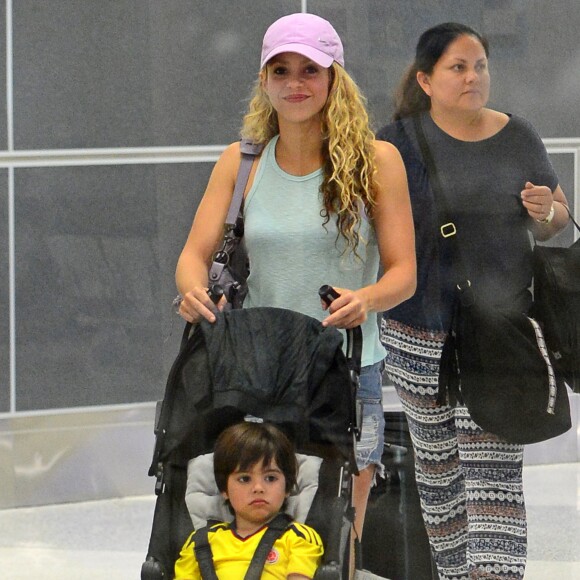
x=305, y=34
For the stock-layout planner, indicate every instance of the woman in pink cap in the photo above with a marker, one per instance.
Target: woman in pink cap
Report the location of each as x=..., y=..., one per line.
x=325, y=204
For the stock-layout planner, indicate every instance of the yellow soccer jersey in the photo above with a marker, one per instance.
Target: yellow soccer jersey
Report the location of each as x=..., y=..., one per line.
x=298, y=551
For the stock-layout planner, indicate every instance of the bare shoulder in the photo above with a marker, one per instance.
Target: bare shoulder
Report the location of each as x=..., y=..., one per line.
x=224, y=172
x=231, y=154
x=386, y=155
x=384, y=148
x=391, y=175
x=227, y=165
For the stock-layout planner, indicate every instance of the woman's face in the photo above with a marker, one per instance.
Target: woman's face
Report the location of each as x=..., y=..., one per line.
x=296, y=86
x=460, y=80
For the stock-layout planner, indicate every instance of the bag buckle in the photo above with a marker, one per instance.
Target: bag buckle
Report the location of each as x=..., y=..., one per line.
x=447, y=230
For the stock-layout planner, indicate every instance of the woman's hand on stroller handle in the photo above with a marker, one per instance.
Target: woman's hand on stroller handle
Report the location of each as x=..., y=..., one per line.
x=327, y=294
x=346, y=307
x=202, y=303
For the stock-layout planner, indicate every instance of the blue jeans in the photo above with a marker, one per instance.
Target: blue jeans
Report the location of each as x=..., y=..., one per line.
x=369, y=449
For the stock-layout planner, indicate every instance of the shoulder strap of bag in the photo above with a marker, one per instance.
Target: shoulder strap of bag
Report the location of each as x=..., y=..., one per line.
x=572, y=218
x=276, y=529
x=248, y=150
x=447, y=227
x=234, y=224
x=448, y=371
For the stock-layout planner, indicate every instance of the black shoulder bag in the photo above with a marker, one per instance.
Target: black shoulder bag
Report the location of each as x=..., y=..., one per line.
x=557, y=305
x=494, y=361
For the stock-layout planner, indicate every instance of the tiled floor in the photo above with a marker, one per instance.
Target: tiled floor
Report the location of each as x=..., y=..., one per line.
x=107, y=540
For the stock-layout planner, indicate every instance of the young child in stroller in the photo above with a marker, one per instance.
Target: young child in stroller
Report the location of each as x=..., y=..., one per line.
x=284, y=368
x=255, y=470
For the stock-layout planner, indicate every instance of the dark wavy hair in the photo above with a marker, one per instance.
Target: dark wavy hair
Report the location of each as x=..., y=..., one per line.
x=410, y=98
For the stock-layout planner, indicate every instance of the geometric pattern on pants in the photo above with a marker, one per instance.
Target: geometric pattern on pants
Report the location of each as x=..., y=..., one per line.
x=469, y=480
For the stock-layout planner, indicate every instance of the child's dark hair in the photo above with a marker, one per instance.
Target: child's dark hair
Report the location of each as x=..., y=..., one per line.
x=410, y=97
x=244, y=444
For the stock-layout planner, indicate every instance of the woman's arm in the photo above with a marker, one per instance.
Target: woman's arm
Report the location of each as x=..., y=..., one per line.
x=538, y=201
x=204, y=238
x=393, y=222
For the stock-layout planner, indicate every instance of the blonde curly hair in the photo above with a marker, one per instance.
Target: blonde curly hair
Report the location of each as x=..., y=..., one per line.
x=348, y=183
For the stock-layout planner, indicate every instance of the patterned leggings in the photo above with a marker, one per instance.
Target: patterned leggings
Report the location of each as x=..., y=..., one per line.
x=469, y=481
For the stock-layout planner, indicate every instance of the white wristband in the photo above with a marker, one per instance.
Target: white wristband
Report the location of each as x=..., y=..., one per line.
x=549, y=217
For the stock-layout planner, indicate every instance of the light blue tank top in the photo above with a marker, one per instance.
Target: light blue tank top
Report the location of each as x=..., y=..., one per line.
x=292, y=253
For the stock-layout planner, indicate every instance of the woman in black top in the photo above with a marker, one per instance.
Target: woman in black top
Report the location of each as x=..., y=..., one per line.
x=500, y=185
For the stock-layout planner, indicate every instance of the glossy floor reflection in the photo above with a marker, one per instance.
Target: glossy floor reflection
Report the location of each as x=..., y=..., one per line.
x=107, y=540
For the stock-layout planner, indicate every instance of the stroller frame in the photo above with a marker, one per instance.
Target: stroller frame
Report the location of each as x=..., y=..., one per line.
x=331, y=513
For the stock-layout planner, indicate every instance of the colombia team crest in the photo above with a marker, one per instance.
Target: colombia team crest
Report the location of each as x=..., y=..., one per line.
x=273, y=557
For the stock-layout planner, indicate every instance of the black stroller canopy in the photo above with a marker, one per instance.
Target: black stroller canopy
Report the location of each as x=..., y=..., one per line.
x=271, y=363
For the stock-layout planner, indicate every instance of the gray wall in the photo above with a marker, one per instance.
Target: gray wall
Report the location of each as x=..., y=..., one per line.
x=114, y=112
x=95, y=245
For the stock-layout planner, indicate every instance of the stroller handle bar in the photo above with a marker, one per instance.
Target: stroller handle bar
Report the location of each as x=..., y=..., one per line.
x=353, y=335
x=354, y=340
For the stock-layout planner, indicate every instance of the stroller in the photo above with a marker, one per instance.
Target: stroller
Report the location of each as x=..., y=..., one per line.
x=266, y=364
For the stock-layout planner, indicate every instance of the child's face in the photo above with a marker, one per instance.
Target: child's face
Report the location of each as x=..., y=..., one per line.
x=256, y=495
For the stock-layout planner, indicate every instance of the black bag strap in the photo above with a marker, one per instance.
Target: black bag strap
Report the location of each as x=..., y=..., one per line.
x=572, y=220
x=276, y=528
x=204, y=555
x=449, y=392
x=447, y=227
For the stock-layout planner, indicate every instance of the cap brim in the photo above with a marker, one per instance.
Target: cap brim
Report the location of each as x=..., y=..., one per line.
x=317, y=56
